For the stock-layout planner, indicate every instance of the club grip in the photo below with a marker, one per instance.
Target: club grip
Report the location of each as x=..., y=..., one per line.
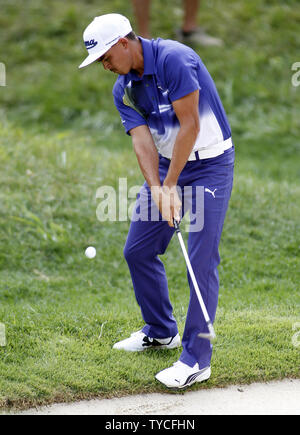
x=176, y=225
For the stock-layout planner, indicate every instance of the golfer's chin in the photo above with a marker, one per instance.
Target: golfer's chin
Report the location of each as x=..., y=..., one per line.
x=120, y=72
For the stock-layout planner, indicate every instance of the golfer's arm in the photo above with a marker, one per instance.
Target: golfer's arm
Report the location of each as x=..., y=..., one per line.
x=146, y=153
x=187, y=112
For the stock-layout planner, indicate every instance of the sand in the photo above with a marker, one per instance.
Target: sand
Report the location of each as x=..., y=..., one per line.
x=273, y=398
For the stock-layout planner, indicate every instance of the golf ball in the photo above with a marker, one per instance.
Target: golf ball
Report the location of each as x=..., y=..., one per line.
x=90, y=252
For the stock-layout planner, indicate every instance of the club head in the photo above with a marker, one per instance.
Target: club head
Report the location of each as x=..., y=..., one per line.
x=208, y=336
x=211, y=335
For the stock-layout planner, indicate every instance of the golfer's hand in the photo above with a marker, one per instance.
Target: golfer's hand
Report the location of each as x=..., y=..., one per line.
x=168, y=202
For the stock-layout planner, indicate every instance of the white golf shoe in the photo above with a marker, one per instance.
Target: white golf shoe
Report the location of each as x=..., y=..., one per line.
x=138, y=342
x=181, y=375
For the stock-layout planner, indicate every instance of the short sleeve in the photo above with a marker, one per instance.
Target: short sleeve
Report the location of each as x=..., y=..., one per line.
x=181, y=75
x=130, y=117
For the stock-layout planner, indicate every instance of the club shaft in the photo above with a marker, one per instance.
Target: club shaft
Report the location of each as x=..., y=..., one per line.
x=194, y=281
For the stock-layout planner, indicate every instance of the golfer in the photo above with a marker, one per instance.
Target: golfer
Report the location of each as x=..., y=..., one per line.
x=169, y=105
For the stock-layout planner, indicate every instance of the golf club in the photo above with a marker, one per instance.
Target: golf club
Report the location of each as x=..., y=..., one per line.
x=211, y=334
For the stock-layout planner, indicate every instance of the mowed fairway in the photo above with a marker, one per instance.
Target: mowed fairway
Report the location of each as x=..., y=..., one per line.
x=61, y=139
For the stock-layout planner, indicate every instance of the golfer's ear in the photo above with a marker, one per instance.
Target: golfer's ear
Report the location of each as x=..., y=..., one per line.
x=124, y=42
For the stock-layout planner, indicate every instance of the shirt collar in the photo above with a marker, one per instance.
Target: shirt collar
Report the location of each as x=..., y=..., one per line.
x=149, y=67
x=148, y=56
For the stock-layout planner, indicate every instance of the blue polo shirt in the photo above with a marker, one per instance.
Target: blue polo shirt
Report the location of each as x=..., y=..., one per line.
x=171, y=71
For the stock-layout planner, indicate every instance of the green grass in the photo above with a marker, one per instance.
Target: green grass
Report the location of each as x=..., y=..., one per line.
x=63, y=312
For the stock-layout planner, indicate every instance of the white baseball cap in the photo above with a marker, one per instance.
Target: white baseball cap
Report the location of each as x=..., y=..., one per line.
x=102, y=33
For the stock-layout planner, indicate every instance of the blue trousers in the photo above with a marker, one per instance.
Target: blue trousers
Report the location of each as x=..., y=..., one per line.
x=148, y=238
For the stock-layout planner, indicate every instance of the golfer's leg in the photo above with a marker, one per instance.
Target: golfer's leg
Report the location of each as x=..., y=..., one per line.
x=146, y=240
x=203, y=247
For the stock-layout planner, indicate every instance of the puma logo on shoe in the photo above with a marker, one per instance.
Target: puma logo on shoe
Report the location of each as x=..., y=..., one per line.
x=147, y=341
x=138, y=342
x=209, y=191
x=192, y=378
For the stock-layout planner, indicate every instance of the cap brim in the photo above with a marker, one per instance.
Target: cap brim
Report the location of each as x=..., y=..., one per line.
x=92, y=57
